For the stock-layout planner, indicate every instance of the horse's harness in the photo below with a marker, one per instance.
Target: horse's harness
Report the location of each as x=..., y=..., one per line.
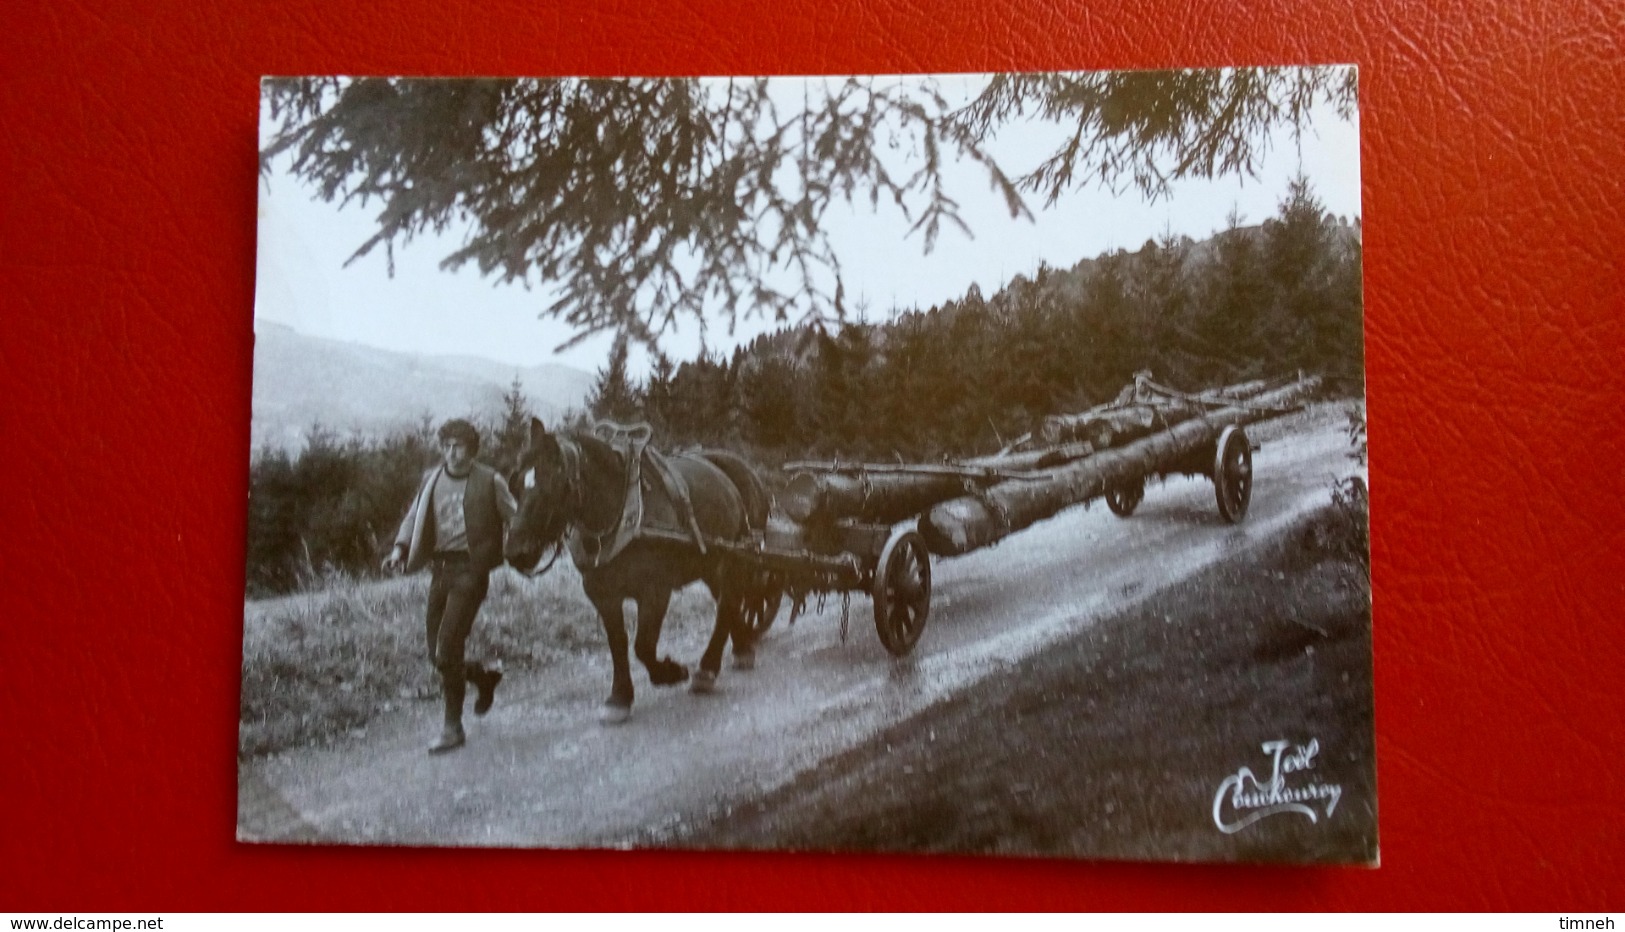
x=592, y=540
x=634, y=446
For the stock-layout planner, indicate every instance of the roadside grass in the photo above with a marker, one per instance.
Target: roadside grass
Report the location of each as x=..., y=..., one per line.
x=323, y=662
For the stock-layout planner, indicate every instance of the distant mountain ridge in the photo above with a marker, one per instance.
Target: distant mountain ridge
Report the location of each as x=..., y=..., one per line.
x=301, y=380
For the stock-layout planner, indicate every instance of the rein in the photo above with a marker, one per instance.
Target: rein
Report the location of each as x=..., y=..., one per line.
x=541, y=569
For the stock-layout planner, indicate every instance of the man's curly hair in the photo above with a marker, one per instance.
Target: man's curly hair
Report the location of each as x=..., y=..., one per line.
x=461, y=431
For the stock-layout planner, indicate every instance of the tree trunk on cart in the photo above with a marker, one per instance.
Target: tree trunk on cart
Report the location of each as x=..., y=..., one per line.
x=881, y=497
x=969, y=522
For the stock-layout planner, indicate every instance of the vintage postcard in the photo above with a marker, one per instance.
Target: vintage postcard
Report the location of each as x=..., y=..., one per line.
x=955, y=463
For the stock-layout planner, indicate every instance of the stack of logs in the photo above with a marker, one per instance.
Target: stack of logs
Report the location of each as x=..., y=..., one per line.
x=965, y=506
x=1142, y=407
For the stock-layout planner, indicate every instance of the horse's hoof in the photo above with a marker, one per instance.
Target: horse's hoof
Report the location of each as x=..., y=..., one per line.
x=704, y=682
x=745, y=661
x=668, y=673
x=613, y=713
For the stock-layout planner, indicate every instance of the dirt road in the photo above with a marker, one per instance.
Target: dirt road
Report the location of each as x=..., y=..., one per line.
x=541, y=771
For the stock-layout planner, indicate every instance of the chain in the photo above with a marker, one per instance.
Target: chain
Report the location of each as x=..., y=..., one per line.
x=798, y=601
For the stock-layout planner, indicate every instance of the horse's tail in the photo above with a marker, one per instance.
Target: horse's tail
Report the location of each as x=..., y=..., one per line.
x=751, y=487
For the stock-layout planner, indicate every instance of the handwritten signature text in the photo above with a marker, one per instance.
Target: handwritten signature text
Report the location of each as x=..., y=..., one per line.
x=1243, y=798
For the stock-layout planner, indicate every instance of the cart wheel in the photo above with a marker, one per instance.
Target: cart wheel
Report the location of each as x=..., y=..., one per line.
x=902, y=591
x=759, y=607
x=1123, y=498
x=1233, y=474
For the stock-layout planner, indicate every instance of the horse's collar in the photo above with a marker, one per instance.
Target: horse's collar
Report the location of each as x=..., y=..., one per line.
x=622, y=455
x=570, y=450
x=570, y=454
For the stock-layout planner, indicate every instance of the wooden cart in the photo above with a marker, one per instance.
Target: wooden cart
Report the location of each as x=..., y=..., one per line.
x=868, y=527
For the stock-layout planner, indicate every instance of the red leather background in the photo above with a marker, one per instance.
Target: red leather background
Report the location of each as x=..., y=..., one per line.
x=1495, y=287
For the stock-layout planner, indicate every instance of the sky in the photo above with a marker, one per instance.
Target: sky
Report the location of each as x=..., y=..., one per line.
x=303, y=243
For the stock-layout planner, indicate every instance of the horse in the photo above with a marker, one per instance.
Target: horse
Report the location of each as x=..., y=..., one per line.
x=576, y=483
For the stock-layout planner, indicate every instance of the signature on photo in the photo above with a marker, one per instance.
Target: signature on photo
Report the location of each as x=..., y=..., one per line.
x=1243, y=798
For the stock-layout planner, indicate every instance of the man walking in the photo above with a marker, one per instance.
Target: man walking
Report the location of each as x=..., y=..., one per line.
x=455, y=526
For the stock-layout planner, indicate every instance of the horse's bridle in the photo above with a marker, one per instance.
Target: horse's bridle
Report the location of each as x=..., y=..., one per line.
x=570, y=455
x=541, y=569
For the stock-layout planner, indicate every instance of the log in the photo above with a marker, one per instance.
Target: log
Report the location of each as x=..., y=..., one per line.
x=1028, y=460
x=971, y=469
x=1246, y=389
x=883, y=497
x=966, y=523
x=823, y=492
x=1067, y=437
x=1142, y=408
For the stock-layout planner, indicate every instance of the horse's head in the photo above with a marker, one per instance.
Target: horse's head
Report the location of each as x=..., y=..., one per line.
x=546, y=484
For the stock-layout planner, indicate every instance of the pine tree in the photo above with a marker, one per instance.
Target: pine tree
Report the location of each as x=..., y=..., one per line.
x=1298, y=258
x=700, y=403
x=1163, y=307
x=903, y=408
x=1110, y=311
x=658, y=404
x=1236, y=294
x=513, y=428
x=770, y=400
x=613, y=397
x=1344, y=351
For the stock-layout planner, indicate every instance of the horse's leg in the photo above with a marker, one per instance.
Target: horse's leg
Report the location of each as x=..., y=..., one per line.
x=744, y=639
x=618, y=707
x=663, y=671
x=728, y=587
x=727, y=620
x=744, y=647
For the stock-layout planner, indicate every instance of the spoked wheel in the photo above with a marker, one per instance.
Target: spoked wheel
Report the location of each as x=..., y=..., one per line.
x=1233, y=474
x=902, y=591
x=759, y=606
x=1122, y=498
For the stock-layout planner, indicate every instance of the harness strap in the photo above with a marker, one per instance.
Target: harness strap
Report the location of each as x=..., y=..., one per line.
x=677, y=489
x=591, y=548
x=587, y=546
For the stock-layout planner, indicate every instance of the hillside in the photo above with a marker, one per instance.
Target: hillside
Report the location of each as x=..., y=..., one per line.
x=301, y=380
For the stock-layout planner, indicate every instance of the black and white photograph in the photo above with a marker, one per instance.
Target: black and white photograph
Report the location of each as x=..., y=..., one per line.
x=959, y=464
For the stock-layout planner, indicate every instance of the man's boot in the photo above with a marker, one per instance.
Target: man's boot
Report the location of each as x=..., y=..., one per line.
x=451, y=738
x=485, y=682
x=453, y=689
